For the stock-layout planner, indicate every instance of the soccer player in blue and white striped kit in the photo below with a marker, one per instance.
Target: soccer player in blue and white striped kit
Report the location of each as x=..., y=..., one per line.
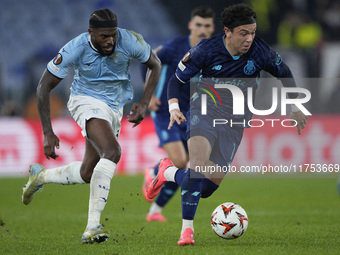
x=236, y=54
x=100, y=89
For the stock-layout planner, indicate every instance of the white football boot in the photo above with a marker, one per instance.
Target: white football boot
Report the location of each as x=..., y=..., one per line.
x=33, y=184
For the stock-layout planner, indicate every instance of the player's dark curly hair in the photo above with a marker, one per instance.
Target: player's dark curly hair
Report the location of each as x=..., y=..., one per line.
x=103, y=15
x=236, y=12
x=203, y=11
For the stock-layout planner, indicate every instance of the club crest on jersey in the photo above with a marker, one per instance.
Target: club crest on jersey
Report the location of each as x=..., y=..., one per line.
x=115, y=57
x=58, y=59
x=186, y=57
x=250, y=68
x=194, y=120
x=278, y=59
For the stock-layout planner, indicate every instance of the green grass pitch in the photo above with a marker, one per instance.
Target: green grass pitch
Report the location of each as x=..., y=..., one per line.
x=286, y=216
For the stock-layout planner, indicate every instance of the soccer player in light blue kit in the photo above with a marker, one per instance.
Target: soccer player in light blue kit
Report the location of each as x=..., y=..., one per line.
x=237, y=54
x=100, y=89
x=174, y=142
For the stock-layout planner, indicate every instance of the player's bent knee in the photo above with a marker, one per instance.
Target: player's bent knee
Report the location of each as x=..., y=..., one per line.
x=86, y=175
x=113, y=153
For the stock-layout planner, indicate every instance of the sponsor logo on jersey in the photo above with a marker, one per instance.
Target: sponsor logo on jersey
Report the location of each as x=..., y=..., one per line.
x=250, y=68
x=181, y=66
x=217, y=67
x=235, y=82
x=58, y=59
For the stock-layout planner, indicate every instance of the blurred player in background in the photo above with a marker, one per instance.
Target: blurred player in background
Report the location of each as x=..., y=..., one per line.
x=99, y=91
x=235, y=54
x=174, y=142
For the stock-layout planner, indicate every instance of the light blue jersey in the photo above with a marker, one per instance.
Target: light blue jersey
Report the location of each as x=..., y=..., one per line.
x=106, y=78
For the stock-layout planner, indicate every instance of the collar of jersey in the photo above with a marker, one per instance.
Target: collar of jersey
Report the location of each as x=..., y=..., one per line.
x=91, y=45
x=234, y=57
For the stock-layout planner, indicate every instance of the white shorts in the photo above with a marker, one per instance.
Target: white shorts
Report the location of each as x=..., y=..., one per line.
x=84, y=108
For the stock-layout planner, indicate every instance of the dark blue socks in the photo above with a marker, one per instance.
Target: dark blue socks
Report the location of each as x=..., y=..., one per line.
x=193, y=186
x=208, y=187
x=190, y=193
x=166, y=193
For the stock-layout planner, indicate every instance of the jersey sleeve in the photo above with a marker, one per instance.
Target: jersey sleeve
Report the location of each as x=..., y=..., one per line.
x=139, y=49
x=274, y=65
x=191, y=64
x=65, y=59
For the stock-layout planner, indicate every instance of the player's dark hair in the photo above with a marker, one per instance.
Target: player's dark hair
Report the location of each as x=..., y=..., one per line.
x=203, y=11
x=102, y=16
x=236, y=12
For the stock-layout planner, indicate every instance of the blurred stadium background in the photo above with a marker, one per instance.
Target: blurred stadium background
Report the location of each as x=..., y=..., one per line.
x=304, y=32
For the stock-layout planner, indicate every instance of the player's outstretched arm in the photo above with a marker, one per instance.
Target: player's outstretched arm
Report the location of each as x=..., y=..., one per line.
x=51, y=141
x=140, y=108
x=301, y=120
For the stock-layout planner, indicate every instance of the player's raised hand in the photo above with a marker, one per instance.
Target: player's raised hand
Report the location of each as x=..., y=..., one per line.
x=51, y=141
x=176, y=115
x=154, y=103
x=140, y=109
x=301, y=120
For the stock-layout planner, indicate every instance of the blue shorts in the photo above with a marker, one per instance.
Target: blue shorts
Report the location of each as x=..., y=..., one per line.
x=175, y=134
x=224, y=139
